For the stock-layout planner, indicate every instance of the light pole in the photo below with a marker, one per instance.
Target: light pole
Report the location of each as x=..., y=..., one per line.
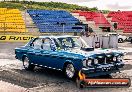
x=63, y=26
x=63, y=29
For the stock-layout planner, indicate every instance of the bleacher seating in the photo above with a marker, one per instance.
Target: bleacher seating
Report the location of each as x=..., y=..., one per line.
x=97, y=17
x=123, y=19
x=54, y=21
x=11, y=21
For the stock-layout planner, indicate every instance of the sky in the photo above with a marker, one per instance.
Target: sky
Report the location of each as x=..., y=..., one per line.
x=113, y=5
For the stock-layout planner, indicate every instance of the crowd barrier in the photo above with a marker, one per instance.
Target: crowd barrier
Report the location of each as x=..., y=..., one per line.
x=101, y=41
x=16, y=38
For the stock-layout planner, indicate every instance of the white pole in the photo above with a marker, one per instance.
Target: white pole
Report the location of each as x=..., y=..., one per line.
x=63, y=29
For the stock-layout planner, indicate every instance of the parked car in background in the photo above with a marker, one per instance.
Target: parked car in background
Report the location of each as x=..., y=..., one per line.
x=121, y=38
x=69, y=54
x=129, y=39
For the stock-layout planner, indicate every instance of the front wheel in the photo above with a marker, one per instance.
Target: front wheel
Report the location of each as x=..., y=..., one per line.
x=27, y=64
x=69, y=71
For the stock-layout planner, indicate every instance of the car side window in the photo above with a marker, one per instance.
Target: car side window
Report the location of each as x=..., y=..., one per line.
x=37, y=44
x=46, y=44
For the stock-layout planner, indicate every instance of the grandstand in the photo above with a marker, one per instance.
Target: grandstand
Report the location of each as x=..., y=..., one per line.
x=55, y=21
x=123, y=20
x=58, y=21
x=96, y=20
x=11, y=21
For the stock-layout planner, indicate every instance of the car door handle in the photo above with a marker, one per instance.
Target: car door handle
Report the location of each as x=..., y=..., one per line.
x=54, y=55
x=38, y=54
x=46, y=54
x=62, y=56
x=32, y=53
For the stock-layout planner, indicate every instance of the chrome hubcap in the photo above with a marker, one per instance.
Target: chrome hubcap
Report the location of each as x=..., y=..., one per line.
x=70, y=70
x=26, y=62
x=120, y=40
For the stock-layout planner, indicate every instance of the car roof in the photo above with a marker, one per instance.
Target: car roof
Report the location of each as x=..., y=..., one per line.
x=62, y=36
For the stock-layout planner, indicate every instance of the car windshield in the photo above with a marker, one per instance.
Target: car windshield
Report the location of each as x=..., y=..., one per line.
x=71, y=42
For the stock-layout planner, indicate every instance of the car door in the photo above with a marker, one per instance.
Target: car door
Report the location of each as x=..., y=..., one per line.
x=47, y=52
x=34, y=52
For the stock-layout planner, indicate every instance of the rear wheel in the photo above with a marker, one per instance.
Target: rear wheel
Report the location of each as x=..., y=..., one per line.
x=131, y=40
x=69, y=71
x=120, y=40
x=27, y=64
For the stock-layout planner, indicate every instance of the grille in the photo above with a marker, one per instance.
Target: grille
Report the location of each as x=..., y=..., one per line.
x=105, y=60
x=101, y=60
x=109, y=59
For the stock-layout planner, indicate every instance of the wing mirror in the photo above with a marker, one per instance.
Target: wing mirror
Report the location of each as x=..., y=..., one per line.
x=53, y=47
x=31, y=44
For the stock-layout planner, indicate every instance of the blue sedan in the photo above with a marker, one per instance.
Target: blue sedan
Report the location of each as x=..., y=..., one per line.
x=69, y=54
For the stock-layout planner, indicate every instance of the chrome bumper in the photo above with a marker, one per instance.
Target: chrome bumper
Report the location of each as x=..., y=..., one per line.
x=102, y=69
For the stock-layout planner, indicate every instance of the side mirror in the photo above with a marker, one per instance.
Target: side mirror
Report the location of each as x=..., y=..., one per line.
x=53, y=47
x=31, y=44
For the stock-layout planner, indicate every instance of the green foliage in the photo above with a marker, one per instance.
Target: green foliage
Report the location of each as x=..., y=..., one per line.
x=10, y=5
x=22, y=5
x=105, y=11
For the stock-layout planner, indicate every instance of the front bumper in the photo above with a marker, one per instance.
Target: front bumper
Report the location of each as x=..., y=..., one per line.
x=102, y=69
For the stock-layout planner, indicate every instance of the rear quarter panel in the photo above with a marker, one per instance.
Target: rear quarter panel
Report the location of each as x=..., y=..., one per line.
x=20, y=52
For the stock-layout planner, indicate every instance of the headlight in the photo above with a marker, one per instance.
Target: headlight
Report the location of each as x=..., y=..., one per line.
x=114, y=58
x=108, y=56
x=95, y=61
x=89, y=62
x=84, y=63
x=119, y=58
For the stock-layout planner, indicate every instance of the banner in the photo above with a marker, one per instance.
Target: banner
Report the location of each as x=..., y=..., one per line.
x=112, y=82
x=15, y=38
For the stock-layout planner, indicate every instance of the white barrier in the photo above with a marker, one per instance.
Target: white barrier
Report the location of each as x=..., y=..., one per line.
x=100, y=41
x=89, y=40
x=113, y=41
x=105, y=41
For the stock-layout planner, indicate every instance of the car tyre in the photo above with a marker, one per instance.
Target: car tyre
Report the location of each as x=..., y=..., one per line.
x=27, y=65
x=131, y=40
x=120, y=40
x=69, y=71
